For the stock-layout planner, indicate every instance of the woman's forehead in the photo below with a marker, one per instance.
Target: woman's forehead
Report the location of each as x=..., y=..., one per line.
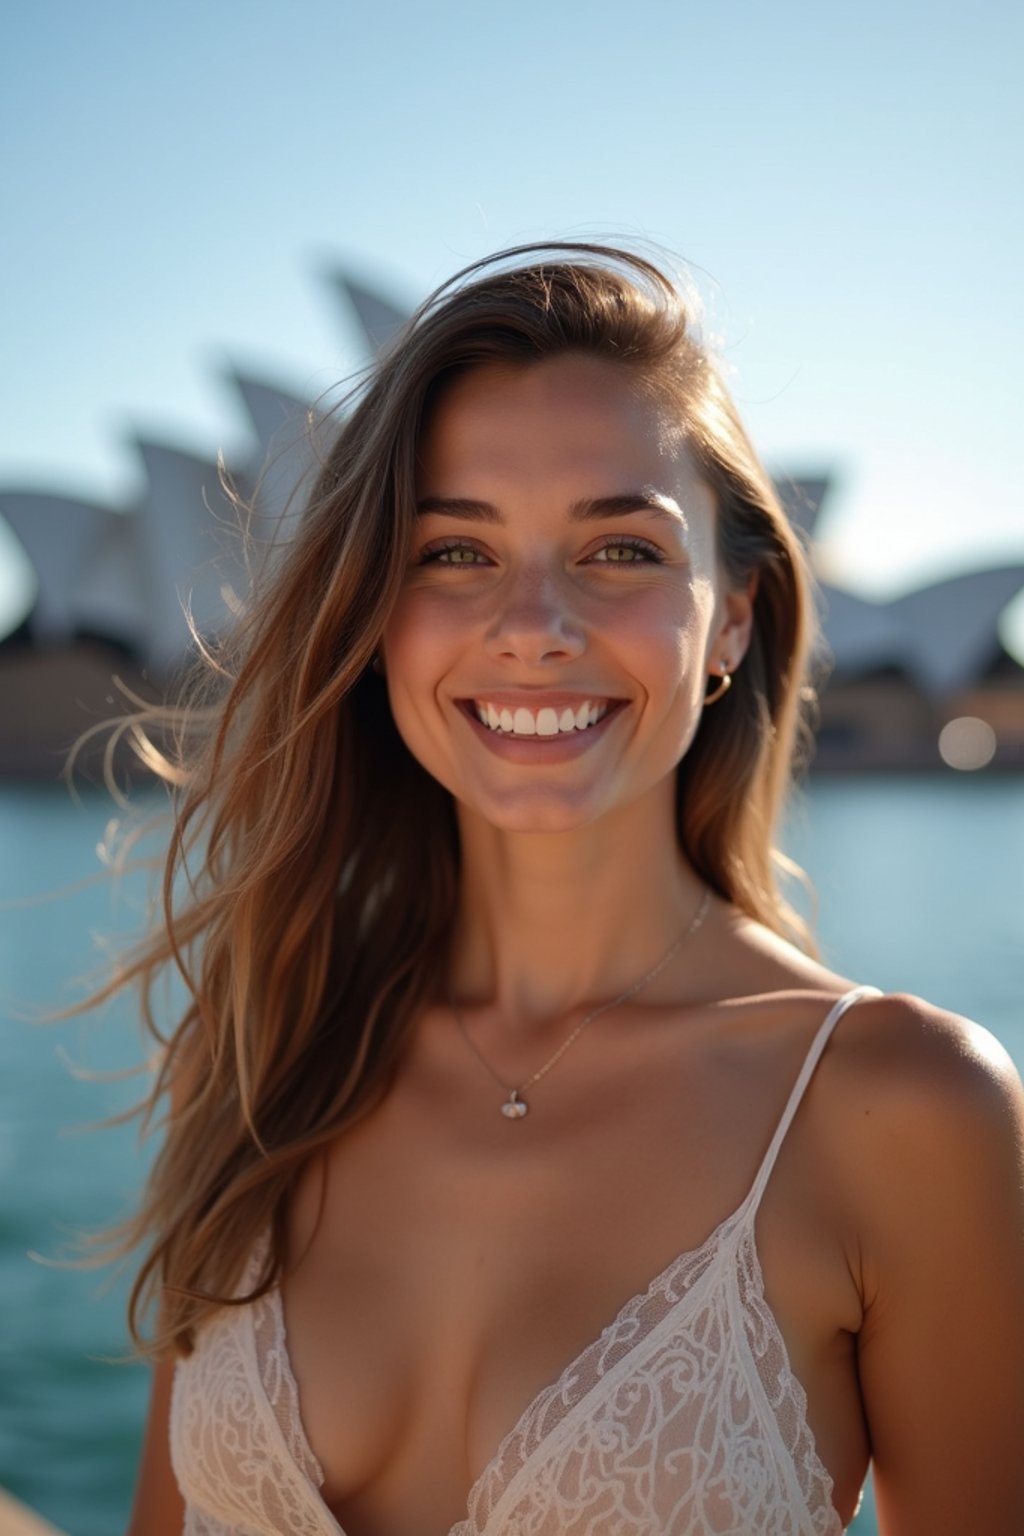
x=565, y=416
x=570, y=382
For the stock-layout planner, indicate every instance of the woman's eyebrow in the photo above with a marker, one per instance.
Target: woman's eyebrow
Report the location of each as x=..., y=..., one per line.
x=459, y=506
x=589, y=509
x=651, y=502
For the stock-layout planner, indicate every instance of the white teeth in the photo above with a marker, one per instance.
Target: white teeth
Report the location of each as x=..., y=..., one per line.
x=546, y=722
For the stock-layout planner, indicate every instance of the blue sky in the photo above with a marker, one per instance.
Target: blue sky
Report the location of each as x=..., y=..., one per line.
x=177, y=181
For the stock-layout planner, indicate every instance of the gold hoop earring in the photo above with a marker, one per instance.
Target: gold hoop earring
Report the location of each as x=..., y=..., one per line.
x=723, y=687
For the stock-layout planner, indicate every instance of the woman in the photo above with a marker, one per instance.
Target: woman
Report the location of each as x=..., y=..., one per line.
x=497, y=1010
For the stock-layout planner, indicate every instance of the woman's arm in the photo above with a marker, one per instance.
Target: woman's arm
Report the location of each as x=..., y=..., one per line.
x=938, y=1125
x=158, y=1509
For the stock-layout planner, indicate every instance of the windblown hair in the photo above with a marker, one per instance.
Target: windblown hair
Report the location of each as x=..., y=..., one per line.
x=319, y=861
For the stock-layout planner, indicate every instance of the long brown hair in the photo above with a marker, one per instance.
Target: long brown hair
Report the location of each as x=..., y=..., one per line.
x=311, y=881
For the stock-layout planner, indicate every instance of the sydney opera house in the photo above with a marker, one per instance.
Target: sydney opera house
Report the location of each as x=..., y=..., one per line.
x=915, y=684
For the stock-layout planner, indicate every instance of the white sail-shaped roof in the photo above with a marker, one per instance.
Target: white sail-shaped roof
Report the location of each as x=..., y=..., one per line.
x=943, y=636
x=378, y=318
x=863, y=636
x=190, y=551
x=291, y=449
x=951, y=628
x=111, y=597
x=57, y=534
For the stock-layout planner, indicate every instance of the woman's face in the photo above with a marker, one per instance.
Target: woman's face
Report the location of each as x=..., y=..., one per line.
x=563, y=604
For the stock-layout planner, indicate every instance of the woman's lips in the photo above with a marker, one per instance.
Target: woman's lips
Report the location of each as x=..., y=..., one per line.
x=556, y=747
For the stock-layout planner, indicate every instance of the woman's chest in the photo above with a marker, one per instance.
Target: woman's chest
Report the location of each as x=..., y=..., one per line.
x=443, y=1294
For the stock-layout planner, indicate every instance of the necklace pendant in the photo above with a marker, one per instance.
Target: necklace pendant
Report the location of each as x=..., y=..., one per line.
x=515, y=1108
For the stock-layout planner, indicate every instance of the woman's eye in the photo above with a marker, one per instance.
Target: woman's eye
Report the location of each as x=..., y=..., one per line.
x=628, y=552
x=454, y=553
x=623, y=551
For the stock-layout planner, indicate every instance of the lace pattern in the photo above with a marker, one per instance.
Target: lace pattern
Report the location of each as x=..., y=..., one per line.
x=683, y=1419
x=238, y=1448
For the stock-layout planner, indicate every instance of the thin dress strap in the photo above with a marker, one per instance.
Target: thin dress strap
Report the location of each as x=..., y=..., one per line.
x=811, y=1060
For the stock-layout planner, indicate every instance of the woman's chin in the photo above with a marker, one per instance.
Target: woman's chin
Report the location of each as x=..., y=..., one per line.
x=532, y=812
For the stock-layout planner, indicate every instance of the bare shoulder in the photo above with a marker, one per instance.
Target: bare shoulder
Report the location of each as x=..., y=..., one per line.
x=898, y=1055
x=909, y=1093
x=928, y=1109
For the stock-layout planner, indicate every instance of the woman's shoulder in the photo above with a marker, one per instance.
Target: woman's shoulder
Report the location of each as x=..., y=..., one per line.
x=898, y=1054
x=926, y=1121
x=902, y=1078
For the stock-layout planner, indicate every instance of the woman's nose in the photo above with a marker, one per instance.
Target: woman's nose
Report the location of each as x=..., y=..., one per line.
x=534, y=620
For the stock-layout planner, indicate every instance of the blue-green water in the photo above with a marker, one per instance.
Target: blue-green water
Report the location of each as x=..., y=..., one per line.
x=920, y=890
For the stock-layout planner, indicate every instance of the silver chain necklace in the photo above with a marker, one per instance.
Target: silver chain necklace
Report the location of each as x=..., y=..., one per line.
x=515, y=1106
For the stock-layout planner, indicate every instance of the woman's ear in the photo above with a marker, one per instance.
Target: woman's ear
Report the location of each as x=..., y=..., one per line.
x=732, y=637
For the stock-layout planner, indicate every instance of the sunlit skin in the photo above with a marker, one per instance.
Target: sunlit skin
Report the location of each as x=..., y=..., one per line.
x=566, y=551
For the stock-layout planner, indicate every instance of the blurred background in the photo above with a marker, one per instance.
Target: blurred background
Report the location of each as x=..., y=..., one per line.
x=214, y=213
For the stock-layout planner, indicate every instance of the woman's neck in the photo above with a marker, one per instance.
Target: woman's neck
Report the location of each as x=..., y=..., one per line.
x=549, y=922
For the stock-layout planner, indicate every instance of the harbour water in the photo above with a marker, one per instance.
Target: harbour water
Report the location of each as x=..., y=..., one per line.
x=919, y=884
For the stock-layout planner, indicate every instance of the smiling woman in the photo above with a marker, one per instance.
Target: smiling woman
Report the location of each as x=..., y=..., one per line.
x=497, y=1011
x=592, y=560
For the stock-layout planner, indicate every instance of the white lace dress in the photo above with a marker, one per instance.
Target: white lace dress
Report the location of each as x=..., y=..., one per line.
x=683, y=1419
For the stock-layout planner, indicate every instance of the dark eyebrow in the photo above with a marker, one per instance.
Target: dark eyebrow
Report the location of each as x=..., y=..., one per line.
x=590, y=509
x=458, y=506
